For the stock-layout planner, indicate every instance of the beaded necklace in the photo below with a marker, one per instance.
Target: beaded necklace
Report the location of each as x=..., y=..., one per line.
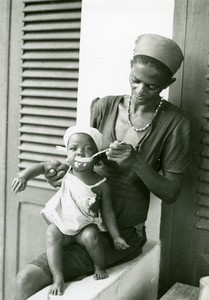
x=146, y=126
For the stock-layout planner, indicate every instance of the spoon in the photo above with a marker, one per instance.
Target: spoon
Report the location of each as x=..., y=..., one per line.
x=89, y=159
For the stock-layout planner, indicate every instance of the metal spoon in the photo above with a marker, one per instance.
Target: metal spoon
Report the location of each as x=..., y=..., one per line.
x=88, y=159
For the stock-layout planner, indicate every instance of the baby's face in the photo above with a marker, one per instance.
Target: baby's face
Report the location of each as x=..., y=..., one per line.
x=80, y=145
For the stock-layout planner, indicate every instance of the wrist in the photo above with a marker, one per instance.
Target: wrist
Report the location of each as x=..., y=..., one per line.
x=138, y=164
x=23, y=178
x=116, y=237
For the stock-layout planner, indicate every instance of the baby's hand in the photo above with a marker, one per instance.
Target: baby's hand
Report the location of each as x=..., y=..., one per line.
x=120, y=243
x=19, y=184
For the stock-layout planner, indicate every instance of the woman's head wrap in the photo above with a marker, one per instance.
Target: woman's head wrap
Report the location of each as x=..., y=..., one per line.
x=93, y=132
x=161, y=48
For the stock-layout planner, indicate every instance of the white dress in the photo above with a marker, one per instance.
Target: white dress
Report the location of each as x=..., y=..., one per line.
x=70, y=208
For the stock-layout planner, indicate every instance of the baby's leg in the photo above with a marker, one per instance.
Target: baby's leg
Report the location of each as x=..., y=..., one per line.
x=89, y=237
x=54, y=242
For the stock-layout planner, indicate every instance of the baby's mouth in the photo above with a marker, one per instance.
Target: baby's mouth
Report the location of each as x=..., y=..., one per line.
x=78, y=163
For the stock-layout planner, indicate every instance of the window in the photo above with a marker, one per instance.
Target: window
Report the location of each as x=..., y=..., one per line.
x=50, y=62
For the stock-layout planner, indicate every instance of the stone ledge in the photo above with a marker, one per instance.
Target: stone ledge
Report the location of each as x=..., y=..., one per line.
x=134, y=280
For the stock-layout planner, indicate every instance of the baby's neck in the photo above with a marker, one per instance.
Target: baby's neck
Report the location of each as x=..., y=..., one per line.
x=87, y=176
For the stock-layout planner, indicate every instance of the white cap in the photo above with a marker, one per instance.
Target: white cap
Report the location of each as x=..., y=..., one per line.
x=93, y=132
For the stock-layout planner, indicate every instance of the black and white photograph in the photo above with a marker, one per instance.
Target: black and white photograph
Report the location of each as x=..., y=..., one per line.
x=104, y=130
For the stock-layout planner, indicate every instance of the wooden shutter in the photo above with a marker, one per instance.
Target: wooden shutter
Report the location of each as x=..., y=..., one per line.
x=50, y=62
x=203, y=189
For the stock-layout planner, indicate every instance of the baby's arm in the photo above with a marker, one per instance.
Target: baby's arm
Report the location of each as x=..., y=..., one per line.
x=109, y=218
x=20, y=182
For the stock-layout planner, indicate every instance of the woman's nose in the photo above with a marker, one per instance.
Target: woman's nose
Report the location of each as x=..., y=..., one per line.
x=140, y=88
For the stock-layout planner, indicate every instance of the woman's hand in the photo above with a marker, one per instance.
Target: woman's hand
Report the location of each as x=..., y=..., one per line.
x=122, y=153
x=54, y=172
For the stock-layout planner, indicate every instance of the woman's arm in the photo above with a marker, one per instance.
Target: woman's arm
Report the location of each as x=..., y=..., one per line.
x=166, y=186
x=109, y=218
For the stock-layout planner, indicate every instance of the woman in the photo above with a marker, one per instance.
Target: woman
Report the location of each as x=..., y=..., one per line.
x=148, y=140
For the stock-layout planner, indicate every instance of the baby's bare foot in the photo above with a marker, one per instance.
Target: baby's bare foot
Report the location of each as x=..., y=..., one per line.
x=99, y=273
x=56, y=288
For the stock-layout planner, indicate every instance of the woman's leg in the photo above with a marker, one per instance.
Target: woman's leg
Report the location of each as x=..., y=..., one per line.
x=89, y=237
x=31, y=280
x=55, y=240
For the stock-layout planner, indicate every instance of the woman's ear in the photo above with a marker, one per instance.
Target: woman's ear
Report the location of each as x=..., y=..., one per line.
x=170, y=81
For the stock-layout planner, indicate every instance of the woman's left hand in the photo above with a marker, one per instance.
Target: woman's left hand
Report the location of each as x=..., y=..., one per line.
x=122, y=153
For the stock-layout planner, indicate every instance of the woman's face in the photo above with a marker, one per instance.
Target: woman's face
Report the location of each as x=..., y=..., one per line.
x=146, y=83
x=80, y=145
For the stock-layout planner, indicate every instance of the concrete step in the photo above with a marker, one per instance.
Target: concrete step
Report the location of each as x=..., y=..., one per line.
x=135, y=280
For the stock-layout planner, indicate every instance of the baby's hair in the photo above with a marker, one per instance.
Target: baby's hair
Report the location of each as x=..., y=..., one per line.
x=144, y=59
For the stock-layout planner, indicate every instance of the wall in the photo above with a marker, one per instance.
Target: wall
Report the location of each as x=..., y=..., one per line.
x=109, y=29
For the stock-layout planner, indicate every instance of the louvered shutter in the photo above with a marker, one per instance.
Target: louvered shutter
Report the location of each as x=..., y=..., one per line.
x=203, y=180
x=50, y=61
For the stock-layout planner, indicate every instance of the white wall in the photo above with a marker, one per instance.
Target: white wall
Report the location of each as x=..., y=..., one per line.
x=108, y=32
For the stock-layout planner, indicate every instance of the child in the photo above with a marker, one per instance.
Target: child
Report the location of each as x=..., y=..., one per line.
x=74, y=212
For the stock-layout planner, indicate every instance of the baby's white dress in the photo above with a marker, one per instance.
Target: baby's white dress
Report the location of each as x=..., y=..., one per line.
x=70, y=208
